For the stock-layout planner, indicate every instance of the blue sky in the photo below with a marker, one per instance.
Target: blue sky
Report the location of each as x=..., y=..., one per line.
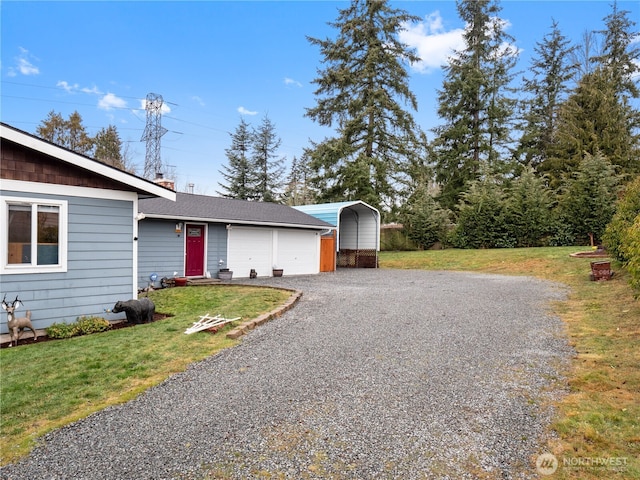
x=214, y=62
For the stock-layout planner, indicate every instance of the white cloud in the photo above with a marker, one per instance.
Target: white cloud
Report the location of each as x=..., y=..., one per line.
x=93, y=89
x=198, y=100
x=71, y=88
x=290, y=81
x=24, y=65
x=111, y=101
x=66, y=86
x=435, y=45
x=432, y=42
x=244, y=111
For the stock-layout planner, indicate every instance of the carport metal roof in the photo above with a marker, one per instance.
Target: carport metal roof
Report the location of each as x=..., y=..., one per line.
x=331, y=213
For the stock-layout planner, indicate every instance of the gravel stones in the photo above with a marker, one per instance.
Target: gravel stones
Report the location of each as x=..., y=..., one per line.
x=373, y=374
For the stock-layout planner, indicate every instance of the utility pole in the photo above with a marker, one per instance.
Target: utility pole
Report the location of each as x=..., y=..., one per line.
x=152, y=133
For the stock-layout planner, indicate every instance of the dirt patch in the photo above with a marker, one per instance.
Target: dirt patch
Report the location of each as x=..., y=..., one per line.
x=44, y=338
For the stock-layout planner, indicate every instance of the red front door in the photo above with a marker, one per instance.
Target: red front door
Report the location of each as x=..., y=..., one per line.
x=194, y=263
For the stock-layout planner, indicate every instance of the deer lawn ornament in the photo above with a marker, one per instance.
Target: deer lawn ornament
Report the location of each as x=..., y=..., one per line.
x=17, y=325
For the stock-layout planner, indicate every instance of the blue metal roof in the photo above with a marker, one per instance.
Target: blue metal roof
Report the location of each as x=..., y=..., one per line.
x=330, y=212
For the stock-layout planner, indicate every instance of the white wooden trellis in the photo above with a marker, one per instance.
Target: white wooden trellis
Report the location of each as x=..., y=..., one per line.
x=206, y=322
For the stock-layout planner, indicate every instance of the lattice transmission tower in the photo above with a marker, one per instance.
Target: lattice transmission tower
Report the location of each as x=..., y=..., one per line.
x=152, y=133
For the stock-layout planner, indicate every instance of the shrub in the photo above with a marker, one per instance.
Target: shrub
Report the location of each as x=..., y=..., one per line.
x=425, y=222
x=89, y=325
x=394, y=240
x=627, y=209
x=632, y=252
x=61, y=330
x=82, y=326
x=483, y=220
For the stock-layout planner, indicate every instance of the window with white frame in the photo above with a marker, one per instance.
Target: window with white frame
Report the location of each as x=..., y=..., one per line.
x=36, y=235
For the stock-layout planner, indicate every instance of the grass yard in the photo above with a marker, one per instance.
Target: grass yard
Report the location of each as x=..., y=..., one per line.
x=598, y=424
x=48, y=385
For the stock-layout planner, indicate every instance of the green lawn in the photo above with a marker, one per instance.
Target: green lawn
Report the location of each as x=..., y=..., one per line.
x=47, y=385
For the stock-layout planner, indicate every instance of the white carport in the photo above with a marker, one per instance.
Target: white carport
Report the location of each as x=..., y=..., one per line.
x=357, y=229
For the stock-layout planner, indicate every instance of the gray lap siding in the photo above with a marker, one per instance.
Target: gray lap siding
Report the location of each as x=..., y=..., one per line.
x=161, y=250
x=100, y=260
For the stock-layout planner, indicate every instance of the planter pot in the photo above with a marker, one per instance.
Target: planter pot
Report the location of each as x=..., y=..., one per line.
x=225, y=275
x=181, y=281
x=277, y=272
x=601, y=271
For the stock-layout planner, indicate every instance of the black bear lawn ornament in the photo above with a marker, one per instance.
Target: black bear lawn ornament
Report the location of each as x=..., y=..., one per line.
x=137, y=311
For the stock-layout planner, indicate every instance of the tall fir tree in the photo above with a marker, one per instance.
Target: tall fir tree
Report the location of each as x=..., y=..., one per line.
x=268, y=169
x=475, y=103
x=546, y=90
x=361, y=91
x=592, y=122
x=620, y=57
x=620, y=63
x=239, y=173
x=108, y=147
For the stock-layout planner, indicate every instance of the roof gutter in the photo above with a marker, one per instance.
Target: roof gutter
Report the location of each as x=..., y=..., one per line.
x=237, y=222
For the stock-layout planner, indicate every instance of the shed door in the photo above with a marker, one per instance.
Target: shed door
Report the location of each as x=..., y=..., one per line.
x=194, y=261
x=250, y=248
x=328, y=253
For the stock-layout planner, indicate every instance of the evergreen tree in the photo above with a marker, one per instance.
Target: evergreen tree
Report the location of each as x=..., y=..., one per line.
x=529, y=210
x=268, y=169
x=620, y=63
x=361, y=92
x=424, y=221
x=592, y=122
x=547, y=89
x=587, y=203
x=483, y=217
x=239, y=173
x=475, y=103
x=108, y=147
x=620, y=57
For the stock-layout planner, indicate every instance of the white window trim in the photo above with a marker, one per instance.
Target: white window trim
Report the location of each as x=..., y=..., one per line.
x=5, y=267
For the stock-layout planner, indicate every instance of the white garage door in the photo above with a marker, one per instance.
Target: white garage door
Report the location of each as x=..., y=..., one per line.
x=250, y=248
x=298, y=252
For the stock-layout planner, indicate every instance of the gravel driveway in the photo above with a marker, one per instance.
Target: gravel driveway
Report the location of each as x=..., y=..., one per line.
x=373, y=374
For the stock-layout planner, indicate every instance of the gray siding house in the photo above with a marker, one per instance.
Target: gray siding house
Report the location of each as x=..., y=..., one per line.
x=68, y=246
x=197, y=235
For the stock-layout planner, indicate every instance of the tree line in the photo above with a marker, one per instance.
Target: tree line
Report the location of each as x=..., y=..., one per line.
x=537, y=160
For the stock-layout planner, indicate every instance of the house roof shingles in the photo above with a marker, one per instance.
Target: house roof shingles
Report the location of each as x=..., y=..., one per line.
x=224, y=210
